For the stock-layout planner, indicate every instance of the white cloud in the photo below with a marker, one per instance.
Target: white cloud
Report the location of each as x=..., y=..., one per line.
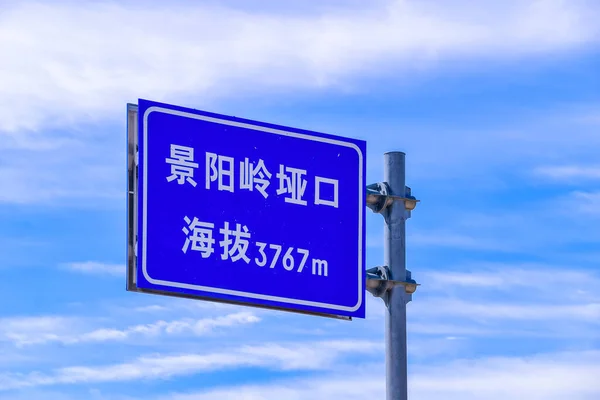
x=354, y=387
x=500, y=300
x=303, y=356
x=542, y=228
x=552, y=376
x=43, y=330
x=167, y=307
x=544, y=377
x=481, y=329
x=77, y=173
x=506, y=276
x=36, y=323
x=586, y=202
x=51, y=395
x=446, y=307
x=568, y=173
x=151, y=308
x=577, y=209
x=93, y=267
x=62, y=65
x=454, y=240
x=23, y=330
x=456, y=328
x=65, y=69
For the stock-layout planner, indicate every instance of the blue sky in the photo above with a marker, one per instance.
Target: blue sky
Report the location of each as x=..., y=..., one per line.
x=496, y=104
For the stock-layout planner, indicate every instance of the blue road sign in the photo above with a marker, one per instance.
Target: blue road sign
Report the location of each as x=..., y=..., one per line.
x=247, y=212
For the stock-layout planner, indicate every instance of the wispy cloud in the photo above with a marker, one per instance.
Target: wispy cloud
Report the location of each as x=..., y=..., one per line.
x=498, y=300
x=576, y=207
x=544, y=377
x=568, y=173
x=507, y=276
x=96, y=268
x=80, y=74
x=75, y=174
x=59, y=77
x=151, y=308
x=589, y=312
x=68, y=331
x=454, y=240
x=543, y=228
x=22, y=330
x=551, y=376
x=56, y=395
x=586, y=202
x=354, y=386
x=294, y=356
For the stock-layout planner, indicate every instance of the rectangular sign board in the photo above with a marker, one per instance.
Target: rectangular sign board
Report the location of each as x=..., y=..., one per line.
x=239, y=211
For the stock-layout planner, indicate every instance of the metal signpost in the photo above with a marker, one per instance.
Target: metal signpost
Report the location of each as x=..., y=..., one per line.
x=245, y=212
x=393, y=282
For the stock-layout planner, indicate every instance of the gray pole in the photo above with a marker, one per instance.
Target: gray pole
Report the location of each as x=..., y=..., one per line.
x=396, y=298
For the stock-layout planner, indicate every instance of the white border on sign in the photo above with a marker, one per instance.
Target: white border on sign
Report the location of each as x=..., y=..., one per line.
x=236, y=292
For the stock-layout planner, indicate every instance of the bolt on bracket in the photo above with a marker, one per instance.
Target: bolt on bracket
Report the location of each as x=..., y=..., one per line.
x=379, y=197
x=379, y=282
